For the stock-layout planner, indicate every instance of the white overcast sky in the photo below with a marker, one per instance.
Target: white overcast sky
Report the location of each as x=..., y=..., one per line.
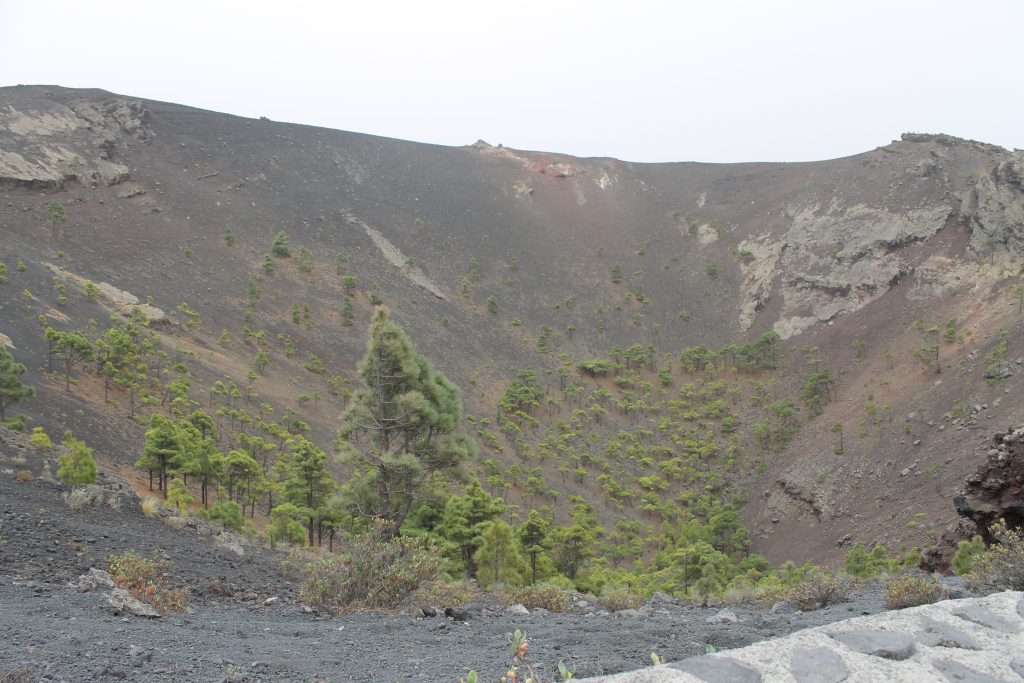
x=641, y=80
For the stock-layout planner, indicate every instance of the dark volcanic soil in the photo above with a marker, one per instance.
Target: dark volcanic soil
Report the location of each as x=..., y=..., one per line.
x=54, y=632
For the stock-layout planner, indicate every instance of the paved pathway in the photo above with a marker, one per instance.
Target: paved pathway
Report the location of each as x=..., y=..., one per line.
x=975, y=640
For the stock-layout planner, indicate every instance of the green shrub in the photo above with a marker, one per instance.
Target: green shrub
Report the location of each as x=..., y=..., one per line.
x=280, y=247
x=911, y=590
x=374, y=571
x=549, y=597
x=966, y=551
x=1001, y=567
x=228, y=513
x=40, y=440
x=16, y=423
x=77, y=466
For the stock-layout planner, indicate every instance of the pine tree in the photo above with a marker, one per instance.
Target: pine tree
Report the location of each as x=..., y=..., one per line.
x=284, y=525
x=348, y=312
x=400, y=428
x=533, y=534
x=179, y=496
x=309, y=484
x=12, y=390
x=464, y=520
x=77, y=466
x=72, y=347
x=55, y=212
x=163, y=447
x=498, y=559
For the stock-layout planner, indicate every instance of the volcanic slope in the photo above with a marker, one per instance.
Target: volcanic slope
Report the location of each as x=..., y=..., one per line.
x=498, y=261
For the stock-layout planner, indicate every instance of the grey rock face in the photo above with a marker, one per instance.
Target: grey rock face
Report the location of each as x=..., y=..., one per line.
x=955, y=671
x=979, y=615
x=817, y=665
x=887, y=644
x=715, y=669
x=936, y=633
x=995, y=208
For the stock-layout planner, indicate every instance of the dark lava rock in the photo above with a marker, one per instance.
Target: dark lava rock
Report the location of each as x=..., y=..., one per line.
x=996, y=490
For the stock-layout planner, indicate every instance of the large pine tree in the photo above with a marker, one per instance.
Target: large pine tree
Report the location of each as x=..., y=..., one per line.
x=399, y=428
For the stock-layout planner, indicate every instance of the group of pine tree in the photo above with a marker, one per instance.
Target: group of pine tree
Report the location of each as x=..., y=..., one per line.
x=400, y=436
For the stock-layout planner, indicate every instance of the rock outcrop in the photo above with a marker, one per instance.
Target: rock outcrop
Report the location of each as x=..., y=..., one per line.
x=994, y=208
x=996, y=490
x=70, y=141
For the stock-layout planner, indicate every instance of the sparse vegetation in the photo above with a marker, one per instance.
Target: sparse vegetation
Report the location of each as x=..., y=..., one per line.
x=145, y=580
x=1001, y=565
x=911, y=589
x=77, y=465
x=375, y=570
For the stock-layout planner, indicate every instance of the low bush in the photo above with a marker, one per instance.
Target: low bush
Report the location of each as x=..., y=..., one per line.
x=445, y=593
x=816, y=589
x=151, y=506
x=911, y=590
x=143, y=579
x=546, y=596
x=40, y=440
x=24, y=475
x=16, y=423
x=615, y=598
x=1001, y=566
x=374, y=572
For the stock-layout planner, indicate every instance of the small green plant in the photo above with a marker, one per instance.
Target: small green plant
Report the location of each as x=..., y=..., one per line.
x=316, y=365
x=306, y=263
x=229, y=237
x=280, y=246
x=21, y=266
x=3, y=272
x=77, y=466
x=966, y=551
x=39, y=440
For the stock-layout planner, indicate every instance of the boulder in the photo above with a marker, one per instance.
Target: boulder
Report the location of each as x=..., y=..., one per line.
x=123, y=603
x=996, y=490
x=95, y=578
